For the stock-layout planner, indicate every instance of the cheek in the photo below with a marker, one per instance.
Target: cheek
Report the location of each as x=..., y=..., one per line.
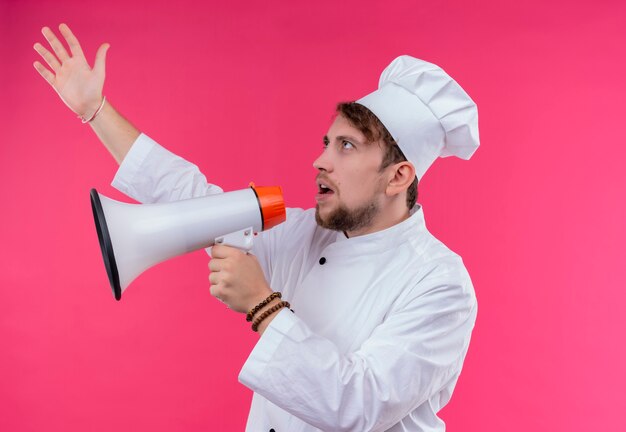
x=359, y=187
x=361, y=179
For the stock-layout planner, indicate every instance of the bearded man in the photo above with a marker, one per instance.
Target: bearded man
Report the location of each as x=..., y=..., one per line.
x=383, y=310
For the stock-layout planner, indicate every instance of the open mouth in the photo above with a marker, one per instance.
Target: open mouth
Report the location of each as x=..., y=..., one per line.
x=323, y=189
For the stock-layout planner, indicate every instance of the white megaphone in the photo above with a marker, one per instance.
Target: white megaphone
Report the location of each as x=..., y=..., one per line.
x=135, y=237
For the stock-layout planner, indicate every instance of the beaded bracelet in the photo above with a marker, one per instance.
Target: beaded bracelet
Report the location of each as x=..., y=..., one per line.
x=277, y=306
x=258, y=307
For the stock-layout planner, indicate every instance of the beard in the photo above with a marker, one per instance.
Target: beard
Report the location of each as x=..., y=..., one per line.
x=345, y=219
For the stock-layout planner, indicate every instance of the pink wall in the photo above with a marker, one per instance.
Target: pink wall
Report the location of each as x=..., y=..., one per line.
x=246, y=90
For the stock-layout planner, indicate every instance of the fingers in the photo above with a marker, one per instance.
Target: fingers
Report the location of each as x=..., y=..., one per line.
x=45, y=73
x=214, y=279
x=216, y=291
x=71, y=40
x=218, y=251
x=101, y=55
x=47, y=56
x=214, y=265
x=222, y=251
x=56, y=44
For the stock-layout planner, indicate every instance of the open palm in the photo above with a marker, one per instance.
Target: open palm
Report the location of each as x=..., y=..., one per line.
x=78, y=85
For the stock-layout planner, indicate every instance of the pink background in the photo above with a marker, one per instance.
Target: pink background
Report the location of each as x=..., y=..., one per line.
x=247, y=90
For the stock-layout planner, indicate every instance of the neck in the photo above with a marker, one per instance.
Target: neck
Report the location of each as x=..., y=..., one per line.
x=390, y=219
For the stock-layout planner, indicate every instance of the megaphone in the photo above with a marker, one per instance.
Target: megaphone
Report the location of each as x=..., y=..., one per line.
x=135, y=237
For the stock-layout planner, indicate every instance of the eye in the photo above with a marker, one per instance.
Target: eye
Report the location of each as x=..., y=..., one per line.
x=346, y=145
x=325, y=142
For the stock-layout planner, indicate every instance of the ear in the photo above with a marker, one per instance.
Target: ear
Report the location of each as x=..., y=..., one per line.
x=401, y=176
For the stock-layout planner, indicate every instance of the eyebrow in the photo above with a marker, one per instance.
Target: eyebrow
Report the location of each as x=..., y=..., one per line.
x=344, y=137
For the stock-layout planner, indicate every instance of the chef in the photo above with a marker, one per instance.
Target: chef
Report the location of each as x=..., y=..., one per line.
x=364, y=317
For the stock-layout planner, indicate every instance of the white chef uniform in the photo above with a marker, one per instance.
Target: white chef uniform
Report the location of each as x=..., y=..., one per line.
x=382, y=321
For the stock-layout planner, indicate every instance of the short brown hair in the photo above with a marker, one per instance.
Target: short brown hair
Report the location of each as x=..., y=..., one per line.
x=374, y=130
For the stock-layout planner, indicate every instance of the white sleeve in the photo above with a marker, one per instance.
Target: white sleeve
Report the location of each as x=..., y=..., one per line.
x=149, y=174
x=408, y=359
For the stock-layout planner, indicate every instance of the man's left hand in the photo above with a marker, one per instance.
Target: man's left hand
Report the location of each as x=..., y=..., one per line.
x=237, y=278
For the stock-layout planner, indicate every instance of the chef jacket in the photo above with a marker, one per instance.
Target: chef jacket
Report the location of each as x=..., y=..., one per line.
x=382, y=321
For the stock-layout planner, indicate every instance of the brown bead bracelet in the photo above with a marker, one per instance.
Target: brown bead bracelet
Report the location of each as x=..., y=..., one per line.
x=258, y=307
x=277, y=306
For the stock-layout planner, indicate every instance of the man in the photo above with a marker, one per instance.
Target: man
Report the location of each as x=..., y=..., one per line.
x=383, y=310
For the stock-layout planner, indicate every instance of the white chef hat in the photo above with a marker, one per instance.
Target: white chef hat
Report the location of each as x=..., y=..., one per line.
x=428, y=114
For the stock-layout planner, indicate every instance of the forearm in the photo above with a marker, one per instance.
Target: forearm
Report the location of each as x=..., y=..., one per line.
x=411, y=357
x=150, y=174
x=114, y=131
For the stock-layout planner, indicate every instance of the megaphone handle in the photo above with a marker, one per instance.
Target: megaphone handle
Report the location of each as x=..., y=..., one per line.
x=242, y=239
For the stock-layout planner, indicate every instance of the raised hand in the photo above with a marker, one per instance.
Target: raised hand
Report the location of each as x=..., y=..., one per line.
x=78, y=85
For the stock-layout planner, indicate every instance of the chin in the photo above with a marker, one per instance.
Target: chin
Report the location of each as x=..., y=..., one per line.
x=341, y=218
x=323, y=216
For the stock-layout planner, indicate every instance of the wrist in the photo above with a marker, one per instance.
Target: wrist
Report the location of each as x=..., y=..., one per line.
x=92, y=110
x=266, y=322
x=267, y=314
x=260, y=301
x=270, y=305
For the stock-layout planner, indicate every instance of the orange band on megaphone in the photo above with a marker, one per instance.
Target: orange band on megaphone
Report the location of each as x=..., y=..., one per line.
x=272, y=205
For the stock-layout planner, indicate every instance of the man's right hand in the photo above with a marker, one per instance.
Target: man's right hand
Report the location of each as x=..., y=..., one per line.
x=78, y=85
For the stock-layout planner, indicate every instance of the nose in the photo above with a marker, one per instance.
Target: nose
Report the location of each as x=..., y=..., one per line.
x=323, y=161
